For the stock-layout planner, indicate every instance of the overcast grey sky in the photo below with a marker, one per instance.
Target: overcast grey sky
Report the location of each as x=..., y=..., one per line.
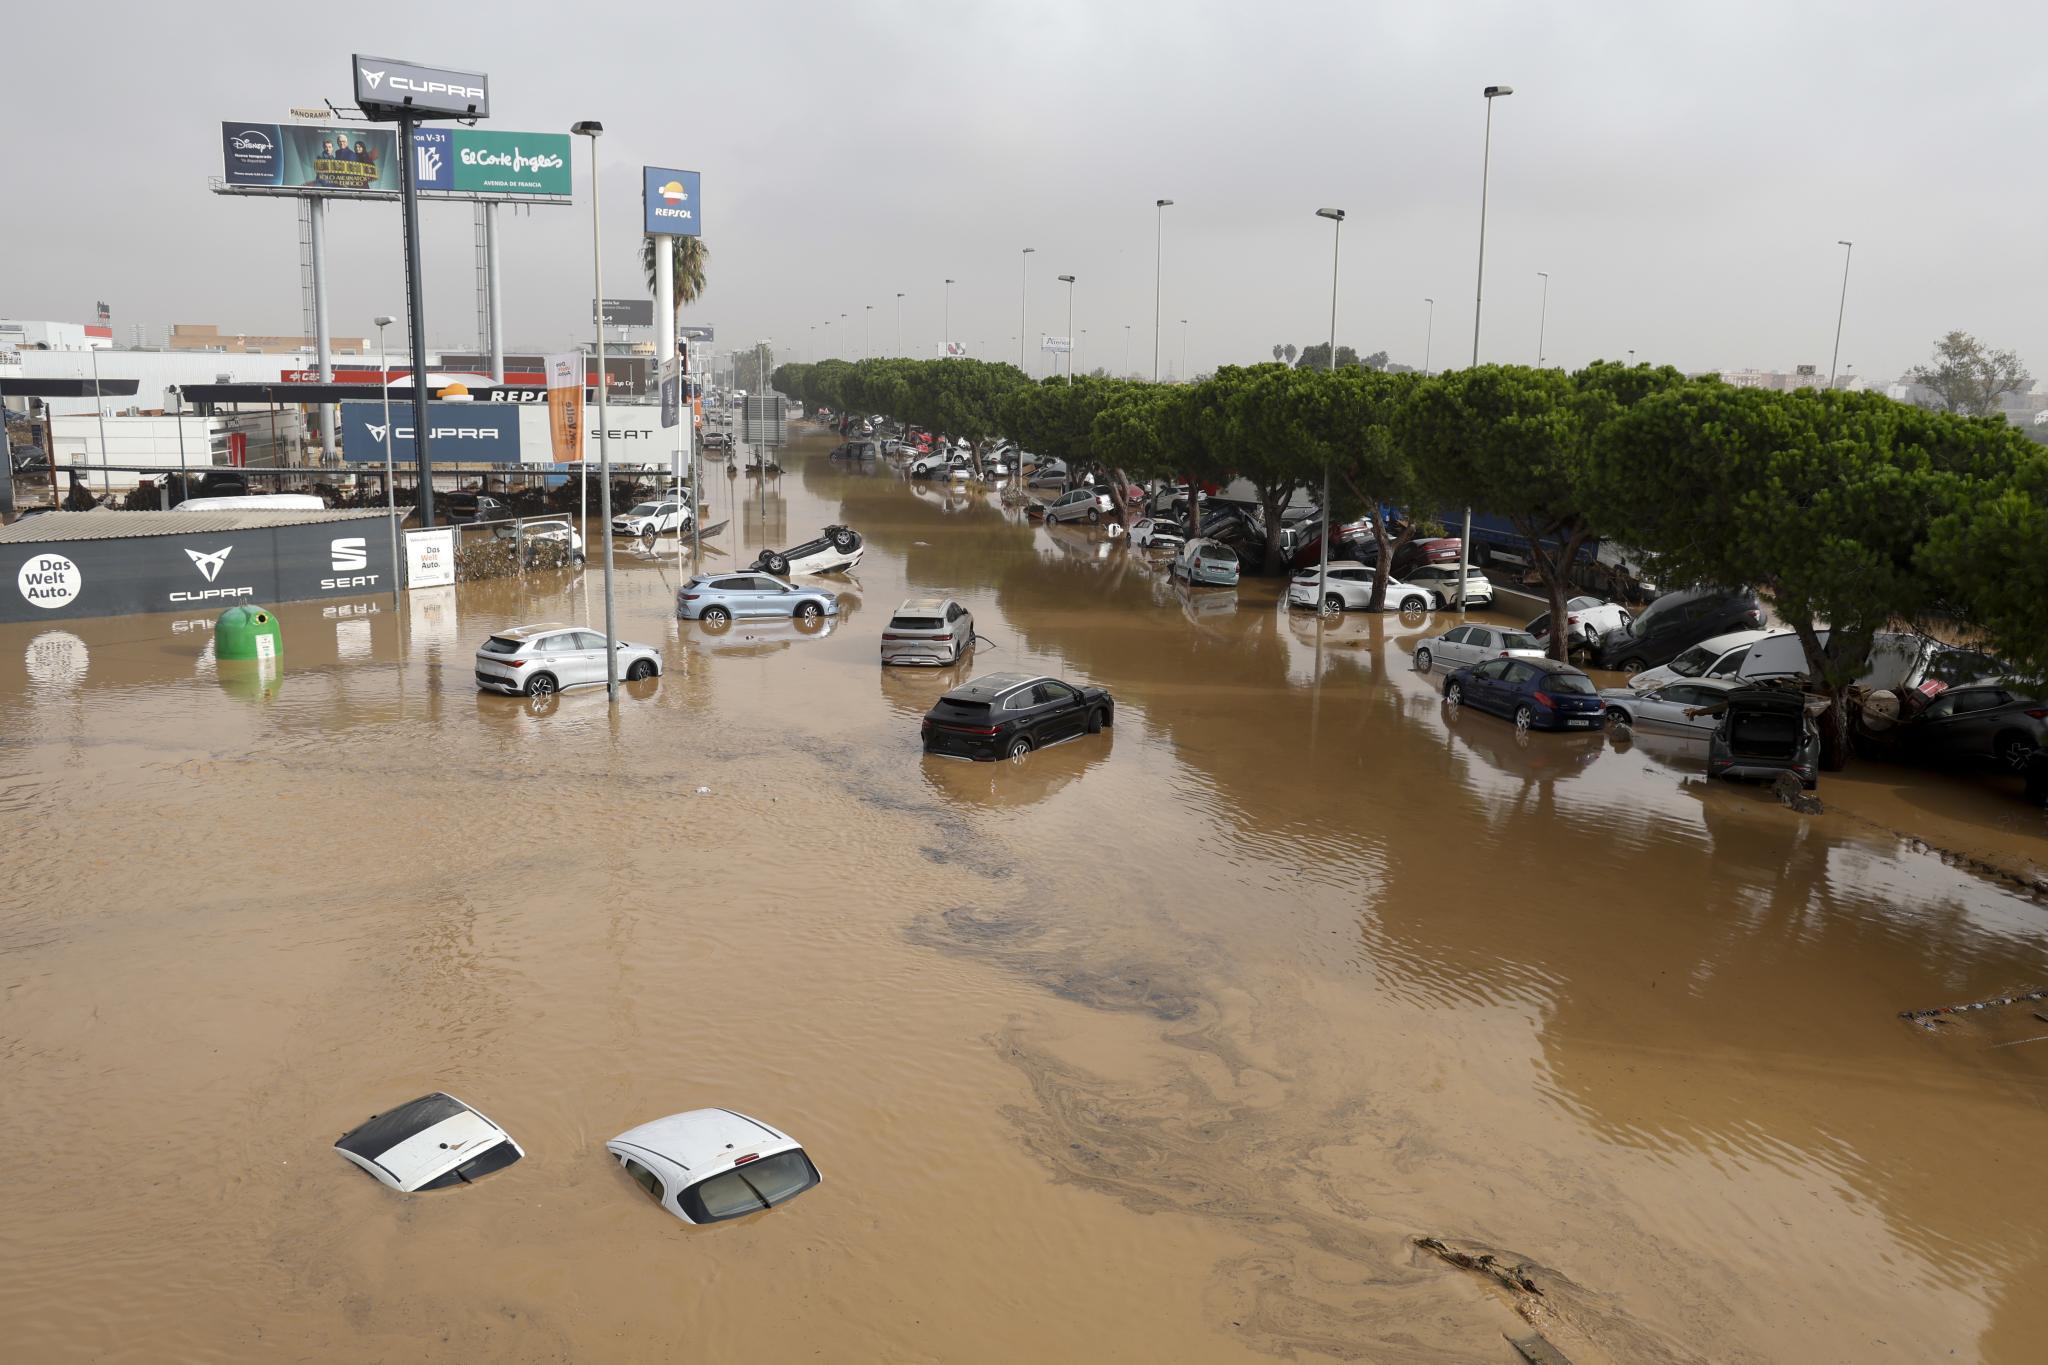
x=1683, y=172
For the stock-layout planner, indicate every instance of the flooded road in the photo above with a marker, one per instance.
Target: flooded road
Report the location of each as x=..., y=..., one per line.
x=1165, y=1045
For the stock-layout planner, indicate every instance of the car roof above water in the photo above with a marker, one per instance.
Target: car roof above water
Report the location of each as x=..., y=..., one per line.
x=528, y=632
x=990, y=686
x=929, y=605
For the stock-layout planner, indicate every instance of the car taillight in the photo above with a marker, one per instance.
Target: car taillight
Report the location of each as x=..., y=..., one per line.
x=1571, y=620
x=692, y=596
x=2037, y=713
x=1542, y=699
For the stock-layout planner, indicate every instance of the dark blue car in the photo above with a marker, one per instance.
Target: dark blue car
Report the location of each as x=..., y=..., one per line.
x=1536, y=694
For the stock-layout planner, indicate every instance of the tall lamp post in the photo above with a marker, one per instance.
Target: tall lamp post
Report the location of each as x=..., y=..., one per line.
x=867, y=335
x=1336, y=217
x=899, y=322
x=1848, y=250
x=1023, y=312
x=1542, y=317
x=949, y=317
x=1428, y=336
x=1068, y=281
x=1183, y=350
x=384, y=320
x=1492, y=93
x=1159, y=208
x=593, y=130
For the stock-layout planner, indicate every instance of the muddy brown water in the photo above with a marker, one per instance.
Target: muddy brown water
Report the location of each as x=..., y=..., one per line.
x=1163, y=1045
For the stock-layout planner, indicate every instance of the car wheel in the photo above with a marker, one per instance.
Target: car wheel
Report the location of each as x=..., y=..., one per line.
x=842, y=541
x=775, y=563
x=2013, y=752
x=1019, y=747
x=1632, y=665
x=718, y=618
x=1422, y=661
x=1525, y=718
x=1616, y=717
x=808, y=612
x=1414, y=604
x=541, y=685
x=641, y=671
x=1094, y=515
x=1333, y=603
x=647, y=537
x=577, y=559
x=1095, y=722
x=1454, y=694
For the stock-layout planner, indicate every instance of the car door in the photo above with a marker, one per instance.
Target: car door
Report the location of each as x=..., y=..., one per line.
x=1483, y=683
x=1058, y=712
x=1451, y=648
x=959, y=625
x=588, y=652
x=1949, y=727
x=1483, y=641
x=767, y=597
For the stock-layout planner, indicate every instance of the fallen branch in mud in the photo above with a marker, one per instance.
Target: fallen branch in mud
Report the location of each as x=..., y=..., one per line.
x=1514, y=1278
x=2022, y=998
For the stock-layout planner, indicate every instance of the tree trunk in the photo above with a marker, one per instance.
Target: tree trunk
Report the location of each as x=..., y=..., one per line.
x=1274, y=503
x=1554, y=568
x=1833, y=722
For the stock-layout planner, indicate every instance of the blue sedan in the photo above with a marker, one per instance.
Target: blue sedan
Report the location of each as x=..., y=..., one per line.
x=1537, y=694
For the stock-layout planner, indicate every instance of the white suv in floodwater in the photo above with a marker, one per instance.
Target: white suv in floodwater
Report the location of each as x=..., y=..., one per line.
x=540, y=660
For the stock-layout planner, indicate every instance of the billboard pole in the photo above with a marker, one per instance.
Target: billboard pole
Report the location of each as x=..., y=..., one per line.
x=323, y=346
x=496, y=340
x=415, y=307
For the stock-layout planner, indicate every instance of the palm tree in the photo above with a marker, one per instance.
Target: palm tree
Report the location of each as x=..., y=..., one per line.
x=1291, y=353
x=1278, y=350
x=691, y=253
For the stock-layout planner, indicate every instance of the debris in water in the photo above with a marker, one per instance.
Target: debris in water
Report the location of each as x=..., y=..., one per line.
x=2019, y=999
x=1537, y=1351
x=703, y=791
x=1792, y=792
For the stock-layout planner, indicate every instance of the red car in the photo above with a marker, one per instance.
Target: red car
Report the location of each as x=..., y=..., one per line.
x=1434, y=550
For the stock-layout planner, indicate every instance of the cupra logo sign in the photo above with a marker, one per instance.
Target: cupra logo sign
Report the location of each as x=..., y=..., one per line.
x=210, y=565
x=375, y=78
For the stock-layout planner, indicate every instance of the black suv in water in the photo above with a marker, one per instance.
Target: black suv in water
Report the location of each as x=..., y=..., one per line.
x=1675, y=623
x=1765, y=731
x=1007, y=715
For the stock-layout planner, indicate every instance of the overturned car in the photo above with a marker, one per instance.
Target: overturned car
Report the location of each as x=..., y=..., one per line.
x=837, y=549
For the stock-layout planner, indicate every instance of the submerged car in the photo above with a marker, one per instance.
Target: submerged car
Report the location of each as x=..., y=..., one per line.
x=1440, y=581
x=1667, y=705
x=1157, y=533
x=716, y=598
x=928, y=630
x=1764, y=731
x=1537, y=694
x=1204, y=562
x=1677, y=621
x=1984, y=723
x=544, y=659
x=708, y=1165
x=836, y=550
x=1349, y=588
x=429, y=1144
x=1076, y=504
x=651, y=519
x=1719, y=657
x=1007, y=715
x=1463, y=645
x=718, y=440
x=1587, y=621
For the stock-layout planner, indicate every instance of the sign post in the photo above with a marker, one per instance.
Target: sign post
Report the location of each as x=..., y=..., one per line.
x=669, y=208
x=405, y=92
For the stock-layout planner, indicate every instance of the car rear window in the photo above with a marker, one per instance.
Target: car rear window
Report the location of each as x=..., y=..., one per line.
x=498, y=644
x=1573, y=684
x=493, y=1158
x=915, y=623
x=1518, y=639
x=749, y=1188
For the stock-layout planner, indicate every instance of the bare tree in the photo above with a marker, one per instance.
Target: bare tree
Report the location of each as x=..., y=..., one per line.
x=1968, y=377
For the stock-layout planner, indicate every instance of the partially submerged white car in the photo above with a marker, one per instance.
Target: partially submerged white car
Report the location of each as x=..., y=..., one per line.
x=708, y=1165
x=428, y=1144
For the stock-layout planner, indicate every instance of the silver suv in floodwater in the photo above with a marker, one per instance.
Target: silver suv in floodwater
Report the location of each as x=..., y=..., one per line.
x=539, y=660
x=928, y=630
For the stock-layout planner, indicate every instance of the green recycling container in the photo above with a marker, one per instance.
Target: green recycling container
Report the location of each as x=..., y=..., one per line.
x=248, y=633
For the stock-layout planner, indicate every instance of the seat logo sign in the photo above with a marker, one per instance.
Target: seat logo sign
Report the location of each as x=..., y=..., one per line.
x=348, y=556
x=210, y=565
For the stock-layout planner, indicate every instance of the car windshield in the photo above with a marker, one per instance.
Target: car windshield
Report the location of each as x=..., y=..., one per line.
x=749, y=1188
x=498, y=644
x=1575, y=684
x=645, y=509
x=1518, y=639
x=1693, y=662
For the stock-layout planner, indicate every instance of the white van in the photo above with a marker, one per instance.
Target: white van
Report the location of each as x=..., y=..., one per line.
x=261, y=502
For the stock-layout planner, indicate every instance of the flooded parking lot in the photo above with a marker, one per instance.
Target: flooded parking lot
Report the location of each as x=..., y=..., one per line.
x=1164, y=1044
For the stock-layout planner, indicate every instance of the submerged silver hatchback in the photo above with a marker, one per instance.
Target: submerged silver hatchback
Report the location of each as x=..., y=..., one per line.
x=928, y=630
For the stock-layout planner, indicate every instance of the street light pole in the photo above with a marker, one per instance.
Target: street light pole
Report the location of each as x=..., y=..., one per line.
x=1023, y=312
x=1492, y=92
x=1336, y=217
x=1159, y=208
x=949, y=318
x=1183, y=350
x=390, y=490
x=899, y=322
x=1428, y=336
x=1068, y=280
x=1542, y=317
x=867, y=335
x=592, y=129
x=1848, y=250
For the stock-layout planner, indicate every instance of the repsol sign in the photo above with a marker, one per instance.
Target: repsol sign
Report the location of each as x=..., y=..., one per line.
x=186, y=572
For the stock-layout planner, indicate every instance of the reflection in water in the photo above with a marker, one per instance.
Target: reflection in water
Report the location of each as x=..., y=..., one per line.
x=1292, y=956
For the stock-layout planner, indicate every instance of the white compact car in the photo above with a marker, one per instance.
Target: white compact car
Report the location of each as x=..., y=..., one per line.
x=651, y=519
x=709, y=1165
x=1441, y=581
x=928, y=630
x=1463, y=645
x=428, y=1144
x=1350, y=589
x=540, y=660
x=1719, y=657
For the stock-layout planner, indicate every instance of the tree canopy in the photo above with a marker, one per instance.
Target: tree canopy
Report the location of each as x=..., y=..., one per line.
x=1969, y=377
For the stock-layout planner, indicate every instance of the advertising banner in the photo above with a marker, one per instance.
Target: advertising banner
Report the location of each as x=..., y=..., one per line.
x=485, y=433
x=511, y=163
x=430, y=558
x=384, y=86
x=565, y=407
x=628, y=312
x=694, y=334
x=668, y=202
x=287, y=156
x=120, y=576
x=1062, y=345
x=466, y=161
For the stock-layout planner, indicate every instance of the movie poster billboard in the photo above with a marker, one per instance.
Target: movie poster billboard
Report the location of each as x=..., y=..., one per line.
x=295, y=156
x=565, y=407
